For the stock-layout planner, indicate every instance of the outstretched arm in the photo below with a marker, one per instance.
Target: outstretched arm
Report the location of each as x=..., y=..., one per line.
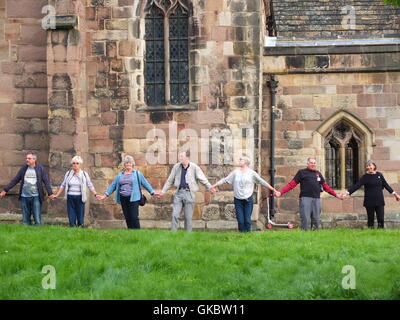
x=390, y=189
x=111, y=188
x=329, y=190
x=169, y=181
x=291, y=185
x=386, y=185
x=57, y=194
x=143, y=181
x=46, y=181
x=202, y=178
x=228, y=179
x=355, y=187
x=13, y=182
x=60, y=188
x=261, y=181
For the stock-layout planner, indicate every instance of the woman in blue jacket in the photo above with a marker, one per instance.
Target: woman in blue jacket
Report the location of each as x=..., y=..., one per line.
x=127, y=185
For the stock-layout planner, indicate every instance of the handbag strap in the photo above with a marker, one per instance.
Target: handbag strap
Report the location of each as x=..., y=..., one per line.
x=140, y=189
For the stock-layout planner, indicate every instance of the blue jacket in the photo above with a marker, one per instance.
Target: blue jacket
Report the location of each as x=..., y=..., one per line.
x=135, y=196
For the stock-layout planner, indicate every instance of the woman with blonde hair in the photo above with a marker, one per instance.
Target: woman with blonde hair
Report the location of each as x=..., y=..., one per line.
x=127, y=185
x=243, y=179
x=75, y=183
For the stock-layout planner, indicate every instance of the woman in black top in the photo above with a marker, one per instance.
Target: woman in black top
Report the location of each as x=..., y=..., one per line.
x=373, y=183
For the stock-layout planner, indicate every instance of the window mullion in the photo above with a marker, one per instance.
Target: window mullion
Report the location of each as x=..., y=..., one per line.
x=166, y=61
x=342, y=167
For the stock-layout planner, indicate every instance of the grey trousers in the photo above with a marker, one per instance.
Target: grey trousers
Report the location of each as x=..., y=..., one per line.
x=310, y=212
x=182, y=200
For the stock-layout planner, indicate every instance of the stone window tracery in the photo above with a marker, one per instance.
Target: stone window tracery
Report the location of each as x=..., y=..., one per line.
x=342, y=146
x=167, y=52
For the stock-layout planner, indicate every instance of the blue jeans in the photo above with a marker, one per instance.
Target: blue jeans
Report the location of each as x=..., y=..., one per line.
x=244, y=209
x=31, y=205
x=76, y=211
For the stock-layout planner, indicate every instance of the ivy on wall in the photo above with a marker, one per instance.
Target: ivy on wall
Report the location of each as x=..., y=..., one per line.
x=394, y=2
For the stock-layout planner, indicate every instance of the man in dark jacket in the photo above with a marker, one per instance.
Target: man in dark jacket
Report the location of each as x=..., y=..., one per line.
x=32, y=177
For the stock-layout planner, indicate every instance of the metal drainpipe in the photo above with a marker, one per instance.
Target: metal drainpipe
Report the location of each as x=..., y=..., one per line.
x=273, y=85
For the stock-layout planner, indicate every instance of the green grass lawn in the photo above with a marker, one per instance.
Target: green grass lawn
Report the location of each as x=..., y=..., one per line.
x=155, y=264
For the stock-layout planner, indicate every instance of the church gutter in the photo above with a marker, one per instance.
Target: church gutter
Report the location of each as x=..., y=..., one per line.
x=273, y=85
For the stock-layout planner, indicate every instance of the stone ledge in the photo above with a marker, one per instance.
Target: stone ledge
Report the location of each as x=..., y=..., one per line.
x=341, y=220
x=221, y=225
x=17, y=219
x=329, y=62
x=198, y=225
x=328, y=221
x=10, y=217
x=313, y=50
x=189, y=107
x=66, y=22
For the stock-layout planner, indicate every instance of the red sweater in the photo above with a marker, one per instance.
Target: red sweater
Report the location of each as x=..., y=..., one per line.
x=307, y=177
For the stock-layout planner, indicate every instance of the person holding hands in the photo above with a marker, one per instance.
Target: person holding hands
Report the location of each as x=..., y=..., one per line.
x=32, y=178
x=127, y=186
x=374, y=202
x=312, y=183
x=75, y=183
x=185, y=176
x=243, y=179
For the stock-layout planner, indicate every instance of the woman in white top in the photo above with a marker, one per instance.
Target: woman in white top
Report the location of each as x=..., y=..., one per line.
x=243, y=179
x=75, y=182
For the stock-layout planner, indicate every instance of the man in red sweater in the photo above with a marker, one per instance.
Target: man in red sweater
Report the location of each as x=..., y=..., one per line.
x=312, y=183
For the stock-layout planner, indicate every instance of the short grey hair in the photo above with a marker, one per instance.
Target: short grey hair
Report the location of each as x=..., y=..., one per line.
x=77, y=159
x=246, y=159
x=129, y=159
x=186, y=152
x=34, y=155
x=371, y=162
x=311, y=158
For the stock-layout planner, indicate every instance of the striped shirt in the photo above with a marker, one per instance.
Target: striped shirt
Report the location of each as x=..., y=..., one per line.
x=75, y=184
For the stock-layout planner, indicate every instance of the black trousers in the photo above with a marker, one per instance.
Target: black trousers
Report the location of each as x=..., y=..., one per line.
x=131, y=212
x=380, y=216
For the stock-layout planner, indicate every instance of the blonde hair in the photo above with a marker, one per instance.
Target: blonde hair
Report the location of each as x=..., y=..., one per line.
x=246, y=159
x=77, y=159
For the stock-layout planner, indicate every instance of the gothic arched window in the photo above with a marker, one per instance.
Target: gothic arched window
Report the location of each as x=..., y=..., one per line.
x=167, y=52
x=342, y=145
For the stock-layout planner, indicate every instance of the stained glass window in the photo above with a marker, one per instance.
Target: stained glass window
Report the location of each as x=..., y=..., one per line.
x=172, y=87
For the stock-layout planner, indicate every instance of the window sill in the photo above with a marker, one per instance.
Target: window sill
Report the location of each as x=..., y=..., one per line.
x=186, y=107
